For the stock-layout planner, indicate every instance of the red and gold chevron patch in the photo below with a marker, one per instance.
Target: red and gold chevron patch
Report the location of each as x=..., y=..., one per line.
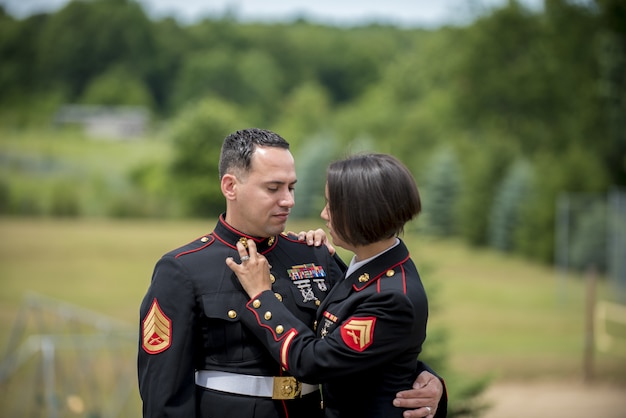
x=157, y=330
x=358, y=333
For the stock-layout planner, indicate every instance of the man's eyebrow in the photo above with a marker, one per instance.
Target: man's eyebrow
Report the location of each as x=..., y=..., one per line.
x=278, y=182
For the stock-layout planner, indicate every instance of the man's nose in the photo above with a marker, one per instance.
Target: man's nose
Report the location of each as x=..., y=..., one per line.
x=288, y=200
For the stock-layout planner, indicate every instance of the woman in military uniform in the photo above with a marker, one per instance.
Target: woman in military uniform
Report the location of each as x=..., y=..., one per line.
x=371, y=326
x=195, y=357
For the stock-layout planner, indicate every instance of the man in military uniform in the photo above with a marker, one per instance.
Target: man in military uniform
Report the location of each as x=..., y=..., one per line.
x=195, y=357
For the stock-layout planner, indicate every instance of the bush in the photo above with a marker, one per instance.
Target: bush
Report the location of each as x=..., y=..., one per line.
x=64, y=200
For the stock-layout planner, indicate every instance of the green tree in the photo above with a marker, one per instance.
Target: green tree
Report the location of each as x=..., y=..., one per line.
x=508, y=205
x=409, y=111
x=304, y=113
x=197, y=135
x=115, y=87
x=312, y=160
x=573, y=170
x=83, y=38
x=24, y=100
x=589, y=239
x=503, y=53
x=611, y=51
x=18, y=51
x=205, y=74
x=484, y=163
x=172, y=44
x=441, y=192
x=531, y=75
x=248, y=78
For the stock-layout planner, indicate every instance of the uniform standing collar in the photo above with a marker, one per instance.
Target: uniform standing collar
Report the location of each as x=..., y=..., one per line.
x=355, y=265
x=378, y=267
x=230, y=236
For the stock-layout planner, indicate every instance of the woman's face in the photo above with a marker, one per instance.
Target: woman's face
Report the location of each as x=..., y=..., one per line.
x=326, y=215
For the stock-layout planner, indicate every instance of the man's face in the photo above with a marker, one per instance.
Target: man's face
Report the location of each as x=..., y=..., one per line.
x=264, y=198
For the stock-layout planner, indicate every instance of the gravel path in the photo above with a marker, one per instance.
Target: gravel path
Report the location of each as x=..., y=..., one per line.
x=555, y=400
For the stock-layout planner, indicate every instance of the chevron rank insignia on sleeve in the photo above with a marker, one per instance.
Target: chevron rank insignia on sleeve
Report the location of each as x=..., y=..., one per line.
x=157, y=330
x=358, y=333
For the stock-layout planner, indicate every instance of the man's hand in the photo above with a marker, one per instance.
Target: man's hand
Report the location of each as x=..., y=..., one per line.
x=315, y=237
x=423, y=398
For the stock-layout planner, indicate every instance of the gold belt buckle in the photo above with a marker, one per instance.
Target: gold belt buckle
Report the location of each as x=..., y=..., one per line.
x=286, y=387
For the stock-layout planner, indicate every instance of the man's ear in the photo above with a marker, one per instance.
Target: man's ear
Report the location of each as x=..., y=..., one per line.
x=229, y=186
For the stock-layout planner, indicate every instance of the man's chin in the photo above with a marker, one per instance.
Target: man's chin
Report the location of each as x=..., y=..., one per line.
x=276, y=229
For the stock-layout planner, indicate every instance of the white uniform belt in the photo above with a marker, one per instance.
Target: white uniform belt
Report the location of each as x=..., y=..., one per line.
x=275, y=387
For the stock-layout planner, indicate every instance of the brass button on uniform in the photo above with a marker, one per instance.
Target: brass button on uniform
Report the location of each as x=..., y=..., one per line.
x=232, y=314
x=315, y=326
x=279, y=296
x=280, y=329
x=390, y=273
x=272, y=278
x=317, y=302
x=204, y=239
x=267, y=316
x=256, y=304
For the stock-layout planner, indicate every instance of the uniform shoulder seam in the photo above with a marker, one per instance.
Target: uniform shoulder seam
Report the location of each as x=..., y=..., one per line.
x=196, y=245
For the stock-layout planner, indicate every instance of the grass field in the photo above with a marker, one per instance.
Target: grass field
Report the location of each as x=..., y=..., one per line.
x=56, y=172
x=505, y=317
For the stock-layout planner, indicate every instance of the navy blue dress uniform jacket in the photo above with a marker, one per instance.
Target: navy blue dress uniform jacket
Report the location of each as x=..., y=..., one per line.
x=369, y=332
x=191, y=320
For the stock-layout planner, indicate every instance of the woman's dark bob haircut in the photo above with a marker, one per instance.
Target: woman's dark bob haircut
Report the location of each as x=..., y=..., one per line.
x=370, y=197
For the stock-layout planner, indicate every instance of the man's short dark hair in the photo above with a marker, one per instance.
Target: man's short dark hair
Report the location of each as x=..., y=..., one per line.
x=371, y=197
x=238, y=148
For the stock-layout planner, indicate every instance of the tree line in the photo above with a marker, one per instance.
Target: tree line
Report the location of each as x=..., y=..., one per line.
x=496, y=118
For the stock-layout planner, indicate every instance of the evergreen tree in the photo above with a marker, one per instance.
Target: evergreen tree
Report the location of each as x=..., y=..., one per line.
x=508, y=206
x=441, y=192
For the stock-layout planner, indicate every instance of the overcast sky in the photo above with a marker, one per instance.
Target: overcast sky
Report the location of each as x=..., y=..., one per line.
x=401, y=12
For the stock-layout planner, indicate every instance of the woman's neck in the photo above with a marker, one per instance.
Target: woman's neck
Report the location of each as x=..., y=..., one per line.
x=370, y=250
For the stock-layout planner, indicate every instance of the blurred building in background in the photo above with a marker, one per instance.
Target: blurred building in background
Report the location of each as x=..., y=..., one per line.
x=105, y=122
